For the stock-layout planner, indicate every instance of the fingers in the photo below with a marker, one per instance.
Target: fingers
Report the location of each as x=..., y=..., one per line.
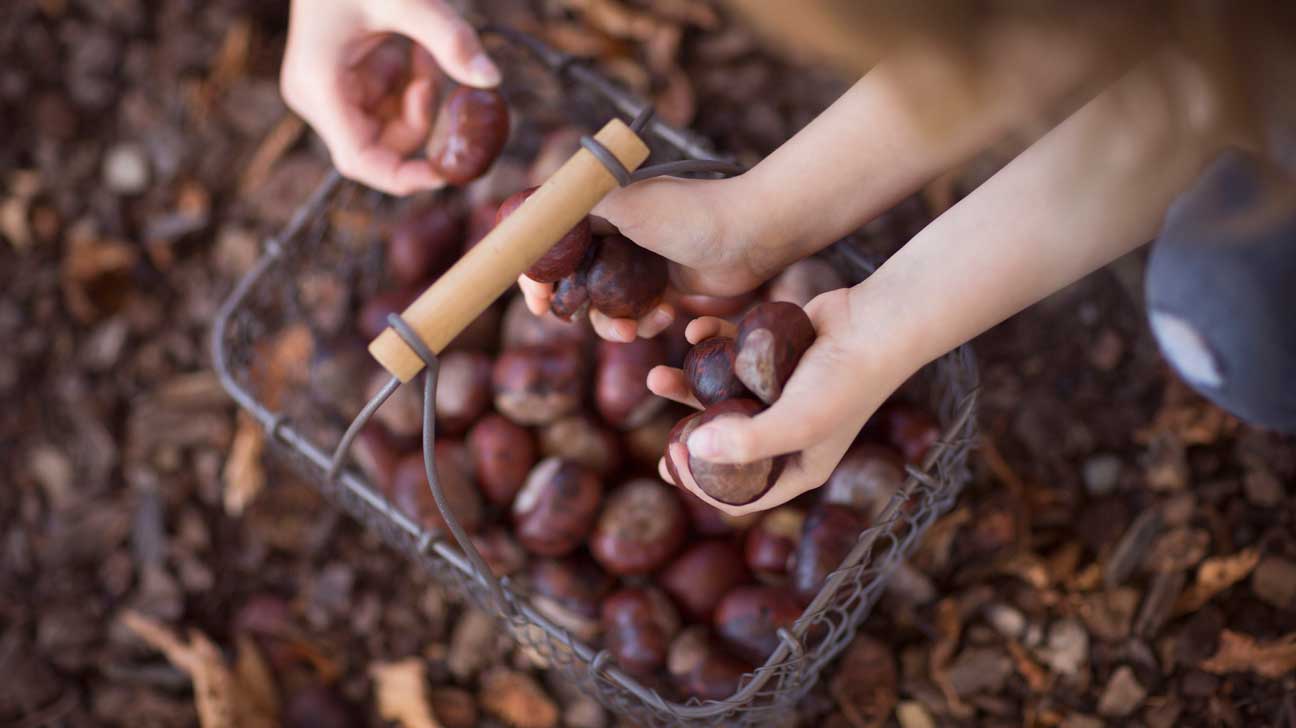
x=656, y=321
x=669, y=382
x=613, y=329
x=537, y=294
x=817, y=403
x=449, y=38
x=705, y=327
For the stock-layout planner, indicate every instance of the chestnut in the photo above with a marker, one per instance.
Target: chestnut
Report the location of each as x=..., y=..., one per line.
x=538, y=384
x=564, y=257
x=471, y=128
x=711, y=521
x=645, y=443
x=642, y=525
x=423, y=242
x=570, y=297
x=570, y=592
x=503, y=453
x=376, y=455
x=680, y=434
x=556, y=507
x=522, y=328
x=621, y=382
x=402, y=413
x=721, y=306
x=771, y=339
x=700, y=576
x=910, y=430
x=709, y=370
x=412, y=496
x=771, y=543
x=749, y=617
x=463, y=390
x=372, y=317
x=638, y=625
x=481, y=335
x=734, y=484
x=865, y=479
x=829, y=533
x=500, y=551
x=701, y=669
x=625, y=280
x=805, y=279
x=580, y=439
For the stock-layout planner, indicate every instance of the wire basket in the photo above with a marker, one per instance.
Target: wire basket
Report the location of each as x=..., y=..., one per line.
x=335, y=230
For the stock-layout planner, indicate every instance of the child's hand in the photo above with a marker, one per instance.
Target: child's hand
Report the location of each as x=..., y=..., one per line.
x=699, y=226
x=331, y=78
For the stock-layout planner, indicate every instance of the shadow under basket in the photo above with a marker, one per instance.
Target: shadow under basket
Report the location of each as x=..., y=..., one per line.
x=332, y=238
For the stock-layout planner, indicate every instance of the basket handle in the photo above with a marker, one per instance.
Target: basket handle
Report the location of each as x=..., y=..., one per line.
x=487, y=271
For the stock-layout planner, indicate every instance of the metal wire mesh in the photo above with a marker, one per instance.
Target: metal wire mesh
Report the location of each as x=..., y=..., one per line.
x=336, y=231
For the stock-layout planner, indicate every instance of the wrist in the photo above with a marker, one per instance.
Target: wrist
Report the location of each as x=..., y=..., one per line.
x=884, y=332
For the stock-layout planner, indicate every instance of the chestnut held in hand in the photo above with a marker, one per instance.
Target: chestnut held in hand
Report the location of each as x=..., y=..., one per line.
x=830, y=532
x=709, y=370
x=771, y=339
x=733, y=484
x=471, y=128
x=621, y=382
x=625, y=280
x=642, y=525
x=701, y=669
x=535, y=385
x=705, y=572
x=556, y=508
x=638, y=625
x=564, y=257
x=749, y=617
x=502, y=454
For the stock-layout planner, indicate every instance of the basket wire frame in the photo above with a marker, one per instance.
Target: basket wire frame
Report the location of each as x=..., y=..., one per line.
x=264, y=301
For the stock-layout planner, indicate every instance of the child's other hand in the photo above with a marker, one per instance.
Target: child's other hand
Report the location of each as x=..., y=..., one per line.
x=836, y=387
x=700, y=226
x=341, y=64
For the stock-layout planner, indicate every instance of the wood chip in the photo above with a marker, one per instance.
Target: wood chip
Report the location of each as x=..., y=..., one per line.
x=1132, y=548
x=280, y=139
x=222, y=698
x=1123, y=694
x=1159, y=603
x=515, y=698
x=401, y=693
x=864, y=685
x=244, y=473
x=1242, y=653
x=1214, y=575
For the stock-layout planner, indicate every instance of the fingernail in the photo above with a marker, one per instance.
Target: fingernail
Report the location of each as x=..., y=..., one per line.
x=483, y=70
x=661, y=319
x=706, y=443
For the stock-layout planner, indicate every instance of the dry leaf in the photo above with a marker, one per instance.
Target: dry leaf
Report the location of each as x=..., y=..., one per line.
x=865, y=684
x=401, y=693
x=1214, y=576
x=515, y=698
x=244, y=473
x=221, y=697
x=1241, y=653
x=271, y=149
x=949, y=626
x=282, y=362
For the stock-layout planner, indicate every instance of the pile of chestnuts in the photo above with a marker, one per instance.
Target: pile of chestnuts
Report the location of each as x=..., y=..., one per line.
x=547, y=443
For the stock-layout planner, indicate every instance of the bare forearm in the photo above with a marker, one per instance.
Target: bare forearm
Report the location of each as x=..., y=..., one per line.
x=898, y=127
x=1093, y=189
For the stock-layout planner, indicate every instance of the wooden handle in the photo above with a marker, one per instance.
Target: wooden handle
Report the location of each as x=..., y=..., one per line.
x=457, y=298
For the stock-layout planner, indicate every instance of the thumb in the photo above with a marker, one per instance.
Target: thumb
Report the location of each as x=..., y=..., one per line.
x=670, y=216
x=818, y=402
x=450, y=39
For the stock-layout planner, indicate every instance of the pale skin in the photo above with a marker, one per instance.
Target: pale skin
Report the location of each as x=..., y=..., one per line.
x=1091, y=189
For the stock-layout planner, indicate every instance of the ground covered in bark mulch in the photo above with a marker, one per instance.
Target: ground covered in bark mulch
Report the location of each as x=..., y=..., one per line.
x=1125, y=554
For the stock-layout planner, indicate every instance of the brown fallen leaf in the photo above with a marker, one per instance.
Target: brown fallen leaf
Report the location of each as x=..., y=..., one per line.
x=1214, y=575
x=281, y=363
x=949, y=626
x=223, y=697
x=271, y=149
x=244, y=473
x=1242, y=653
x=402, y=696
x=864, y=685
x=515, y=698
